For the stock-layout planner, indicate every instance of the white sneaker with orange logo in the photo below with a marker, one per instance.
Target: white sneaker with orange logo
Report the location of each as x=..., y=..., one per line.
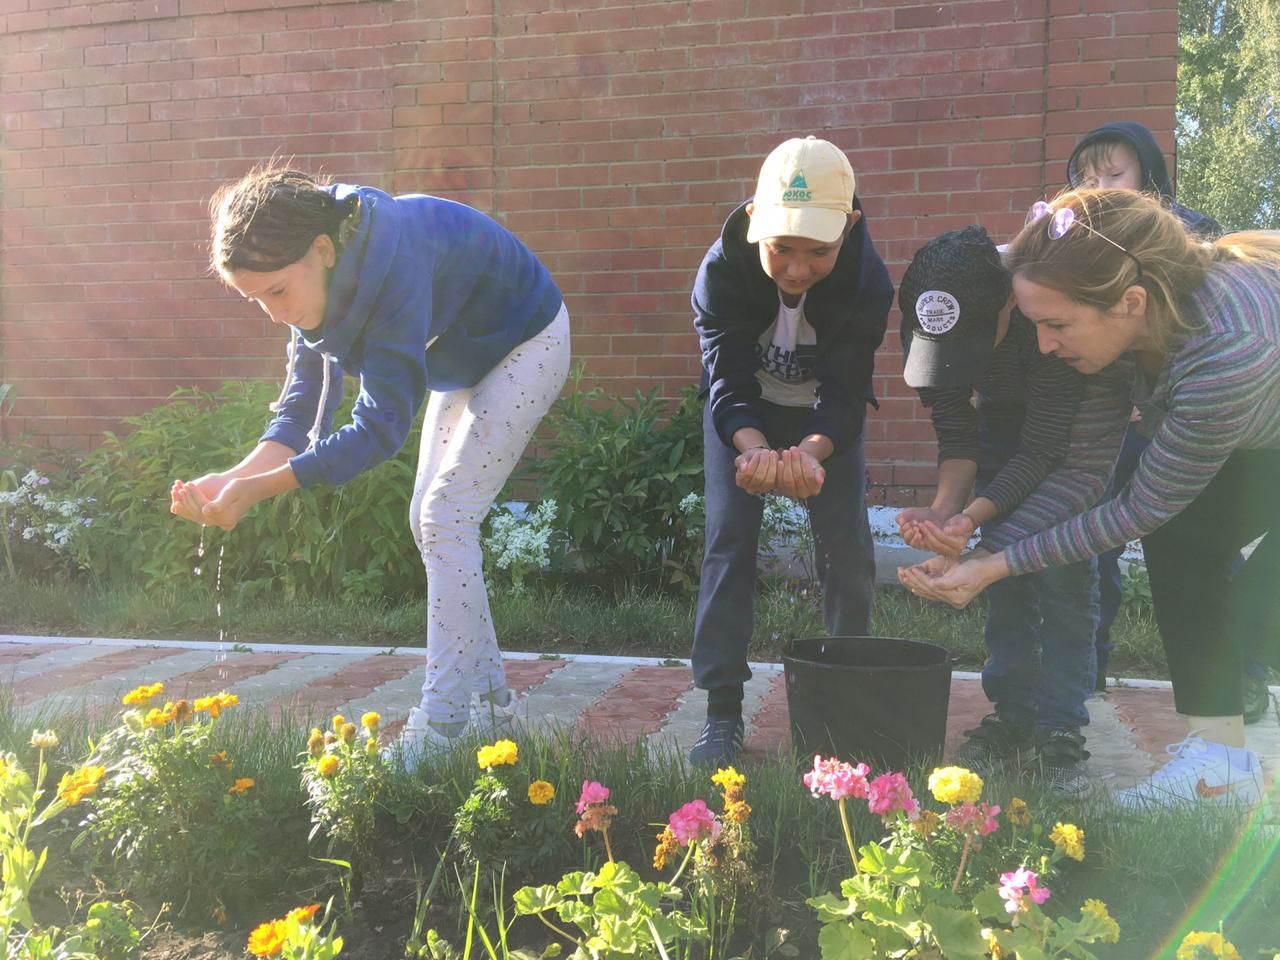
x=1200, y=772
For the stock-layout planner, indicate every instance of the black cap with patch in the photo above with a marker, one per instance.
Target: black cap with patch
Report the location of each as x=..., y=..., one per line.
x=951, y=297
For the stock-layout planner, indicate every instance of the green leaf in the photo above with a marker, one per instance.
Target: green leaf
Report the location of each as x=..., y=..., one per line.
x=957, y=932
x=840, y=941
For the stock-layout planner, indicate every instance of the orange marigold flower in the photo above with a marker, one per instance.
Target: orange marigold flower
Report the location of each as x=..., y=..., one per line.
x=182, y=711
x=315, y=742
x=242, y=786
x=220, y=759
x=667, y=845
x=74, y=787
x=303, y=914
x=267, y=938
x=736, y=811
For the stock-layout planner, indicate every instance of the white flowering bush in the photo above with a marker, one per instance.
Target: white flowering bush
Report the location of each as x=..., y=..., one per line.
x=520, y=545
x=35, y=522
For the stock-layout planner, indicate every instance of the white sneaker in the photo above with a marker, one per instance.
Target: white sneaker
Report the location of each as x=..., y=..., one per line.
x=418, y=739
x=496, y=712
x=1200, y=772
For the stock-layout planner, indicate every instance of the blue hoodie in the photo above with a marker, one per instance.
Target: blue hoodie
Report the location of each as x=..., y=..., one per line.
x=428, y=294
x=735, y=301
x=1155, y=175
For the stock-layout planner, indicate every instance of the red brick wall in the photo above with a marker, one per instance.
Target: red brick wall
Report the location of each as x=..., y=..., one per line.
x=612, y=135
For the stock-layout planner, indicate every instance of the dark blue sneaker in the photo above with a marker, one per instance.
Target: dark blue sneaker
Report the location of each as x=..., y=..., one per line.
x=719, y=743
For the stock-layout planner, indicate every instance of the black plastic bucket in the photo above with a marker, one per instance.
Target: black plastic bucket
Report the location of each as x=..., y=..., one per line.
x=876, y=699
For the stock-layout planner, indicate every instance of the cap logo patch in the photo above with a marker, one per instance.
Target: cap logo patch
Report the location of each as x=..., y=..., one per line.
x=937, y=311
x=797, y=189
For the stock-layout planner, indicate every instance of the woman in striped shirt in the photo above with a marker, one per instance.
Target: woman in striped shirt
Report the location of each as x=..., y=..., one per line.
x=1105, y=272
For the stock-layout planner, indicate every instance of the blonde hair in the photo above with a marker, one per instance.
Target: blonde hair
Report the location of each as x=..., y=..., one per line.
x=1090, y=271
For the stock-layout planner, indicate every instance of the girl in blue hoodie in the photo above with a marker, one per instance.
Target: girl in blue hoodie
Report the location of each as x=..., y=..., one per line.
x=411, y=295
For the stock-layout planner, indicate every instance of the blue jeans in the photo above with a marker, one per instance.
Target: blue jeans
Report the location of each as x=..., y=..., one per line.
x=1040, y=626
x=844, y=553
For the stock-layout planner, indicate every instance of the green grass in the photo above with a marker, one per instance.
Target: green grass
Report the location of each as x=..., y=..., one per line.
x=555, y=618
x=1161, y=874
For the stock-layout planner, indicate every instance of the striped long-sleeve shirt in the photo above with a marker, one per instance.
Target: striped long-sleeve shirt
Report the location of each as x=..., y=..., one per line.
x=1019, y=383
x=1081, y=479
x=1218, y=391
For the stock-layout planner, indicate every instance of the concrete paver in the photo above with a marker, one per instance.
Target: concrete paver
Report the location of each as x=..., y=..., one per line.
x=610, y=697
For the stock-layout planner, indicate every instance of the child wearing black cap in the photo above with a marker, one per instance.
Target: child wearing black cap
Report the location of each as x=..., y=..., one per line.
x=1039, y=442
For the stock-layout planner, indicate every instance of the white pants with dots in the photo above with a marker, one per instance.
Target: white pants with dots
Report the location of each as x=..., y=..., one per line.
x=471, y=441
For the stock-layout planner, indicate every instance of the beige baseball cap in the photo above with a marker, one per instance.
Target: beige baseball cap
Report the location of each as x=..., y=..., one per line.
x=805, y=190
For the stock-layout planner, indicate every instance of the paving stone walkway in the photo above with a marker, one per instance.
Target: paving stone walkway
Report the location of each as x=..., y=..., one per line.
x=612, y=697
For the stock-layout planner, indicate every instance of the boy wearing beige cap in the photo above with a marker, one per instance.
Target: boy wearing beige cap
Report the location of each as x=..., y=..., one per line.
x=790, y=306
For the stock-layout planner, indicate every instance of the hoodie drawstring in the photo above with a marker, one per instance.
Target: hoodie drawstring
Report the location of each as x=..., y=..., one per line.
x=291, y=352
x=278, y=404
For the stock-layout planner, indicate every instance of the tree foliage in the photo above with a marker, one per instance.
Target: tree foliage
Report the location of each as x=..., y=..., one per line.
x=1229, y=110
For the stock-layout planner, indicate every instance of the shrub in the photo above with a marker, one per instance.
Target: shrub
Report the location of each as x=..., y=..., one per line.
x=351, y=539
x=619, y=475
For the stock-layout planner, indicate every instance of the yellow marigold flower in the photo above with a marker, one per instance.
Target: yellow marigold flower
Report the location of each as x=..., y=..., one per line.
x=242, y=786
x=726, y=778
x=667, y=845
x=1098, y=911
x=159, y=717
x=44, y=740
x=74, y=787
x=952, y=785
x=220, y=759
x=315, y=742
x=302, y=915
x=1199, y=945
x=328, y=765
x=541, y=793
x=1019, y=814
x=140, y=695
x=371, y=747
x=1069, y=839
x=504, y=753
x=267, y=938
x=217, y=703
x=337, y=722
x=370, y=721
x=737, y=811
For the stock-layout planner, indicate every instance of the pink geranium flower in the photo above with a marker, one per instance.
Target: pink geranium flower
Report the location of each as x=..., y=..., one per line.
x=837, y=780
x=592, y=792
x=975, y=820
x=693, y=822
x=1018, y=887
x=890, y=793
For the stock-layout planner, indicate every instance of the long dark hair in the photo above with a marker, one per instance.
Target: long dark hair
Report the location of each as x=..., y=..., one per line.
x=269, y=218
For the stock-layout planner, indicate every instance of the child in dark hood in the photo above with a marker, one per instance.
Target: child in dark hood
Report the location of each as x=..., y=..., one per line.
x=1125, y=156
x=413, y=295
x=790, y=305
